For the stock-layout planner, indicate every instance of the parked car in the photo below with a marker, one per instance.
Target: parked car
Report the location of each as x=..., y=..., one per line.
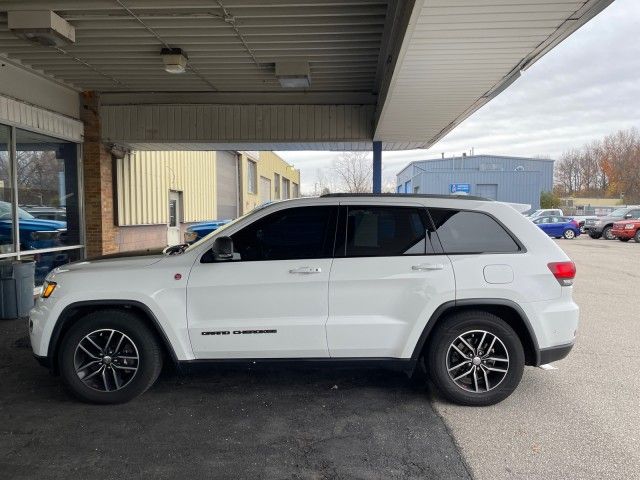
x=626, y=230
x=545, y=213
x=604, y=225
x=34, y=233
x=559, y=227
x=581, y=219
x=200, y=230
x=468, y=285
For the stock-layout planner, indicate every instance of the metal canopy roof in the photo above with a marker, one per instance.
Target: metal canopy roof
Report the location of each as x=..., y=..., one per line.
x=422, y=65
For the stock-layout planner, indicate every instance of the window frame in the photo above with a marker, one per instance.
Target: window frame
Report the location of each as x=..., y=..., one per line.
x=521, y=248
x=343, y=218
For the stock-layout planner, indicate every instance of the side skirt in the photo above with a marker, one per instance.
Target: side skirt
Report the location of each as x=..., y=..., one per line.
x=398, y=364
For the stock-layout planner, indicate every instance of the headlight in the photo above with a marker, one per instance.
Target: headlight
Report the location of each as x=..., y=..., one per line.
x=629, y=226
x=48, y=288
x=190, y=236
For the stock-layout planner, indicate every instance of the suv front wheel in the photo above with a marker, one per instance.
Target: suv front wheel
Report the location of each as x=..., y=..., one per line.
x=109, y=356
x=475, y=358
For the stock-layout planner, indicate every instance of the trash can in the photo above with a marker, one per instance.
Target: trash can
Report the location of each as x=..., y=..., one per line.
x=16, y=288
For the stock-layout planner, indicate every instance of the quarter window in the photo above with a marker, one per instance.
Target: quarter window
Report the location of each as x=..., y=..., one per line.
x=386, y=231
x=294, y=233
x=471, y=232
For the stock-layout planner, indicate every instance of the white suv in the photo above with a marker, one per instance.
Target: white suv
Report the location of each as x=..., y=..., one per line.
x=468, y=285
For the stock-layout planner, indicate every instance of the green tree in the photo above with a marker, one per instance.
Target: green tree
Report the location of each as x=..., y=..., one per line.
x=549, y=200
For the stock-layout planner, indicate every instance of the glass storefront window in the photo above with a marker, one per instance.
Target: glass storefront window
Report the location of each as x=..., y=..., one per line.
x=6, y=210
x=47, y=180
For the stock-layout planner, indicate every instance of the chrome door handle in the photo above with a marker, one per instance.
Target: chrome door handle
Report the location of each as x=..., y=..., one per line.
x=428, y=266
x=306, y=270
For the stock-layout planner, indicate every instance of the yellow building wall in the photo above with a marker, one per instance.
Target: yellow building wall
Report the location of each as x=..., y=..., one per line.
x=268, y=164
x=143, y=181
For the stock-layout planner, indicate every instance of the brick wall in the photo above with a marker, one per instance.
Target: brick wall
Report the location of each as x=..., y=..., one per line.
x=100, y=229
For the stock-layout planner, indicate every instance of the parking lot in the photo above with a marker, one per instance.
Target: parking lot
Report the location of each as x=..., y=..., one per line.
x=580, y=420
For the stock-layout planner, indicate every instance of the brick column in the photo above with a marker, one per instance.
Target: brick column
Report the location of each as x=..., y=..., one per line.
x=100, y=228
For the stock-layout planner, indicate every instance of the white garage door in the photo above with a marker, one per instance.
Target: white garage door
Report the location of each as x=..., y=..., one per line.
x=487, y=190
x=227, y=185
x=265, y=190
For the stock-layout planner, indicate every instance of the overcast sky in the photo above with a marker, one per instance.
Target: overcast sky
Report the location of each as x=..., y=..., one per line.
x=584, y=89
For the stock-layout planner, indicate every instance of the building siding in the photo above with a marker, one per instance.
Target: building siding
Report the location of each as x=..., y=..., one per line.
x=144, y=180
x=518, y=180
x=268, y=164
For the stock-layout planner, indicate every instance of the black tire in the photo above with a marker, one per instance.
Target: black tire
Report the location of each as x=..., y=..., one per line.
x=569, y=234
x=624, y=239
x=145, y=342
x=636, y=237
x=595, y=236
x=606, y=233
x=439, y=348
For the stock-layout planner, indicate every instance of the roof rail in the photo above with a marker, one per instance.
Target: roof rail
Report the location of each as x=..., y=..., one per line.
x=407, y=195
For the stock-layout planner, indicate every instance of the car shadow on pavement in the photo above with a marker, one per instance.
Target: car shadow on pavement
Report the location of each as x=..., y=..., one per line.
x=223, y=421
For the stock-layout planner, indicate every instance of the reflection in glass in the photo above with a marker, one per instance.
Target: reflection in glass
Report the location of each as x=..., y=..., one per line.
x=48, y=198
x=6, y=213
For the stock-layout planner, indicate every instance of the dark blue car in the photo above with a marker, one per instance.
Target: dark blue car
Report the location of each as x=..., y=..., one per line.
x=199, y=230
x=35, y=233
x=559, y=227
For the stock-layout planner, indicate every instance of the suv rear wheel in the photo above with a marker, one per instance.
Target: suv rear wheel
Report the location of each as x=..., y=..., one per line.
x=109, y=356
x=475, y=358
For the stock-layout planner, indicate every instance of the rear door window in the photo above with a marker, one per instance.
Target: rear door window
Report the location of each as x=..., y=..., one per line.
x=463, y=231
x=379, y=231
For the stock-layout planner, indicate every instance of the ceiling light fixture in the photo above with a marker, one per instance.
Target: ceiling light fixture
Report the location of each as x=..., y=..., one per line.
x=293, y=74
x=41, y=26
x=174, y=59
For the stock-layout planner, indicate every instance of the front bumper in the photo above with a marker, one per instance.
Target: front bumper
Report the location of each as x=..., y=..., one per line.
x=553, y=354
x=623, y=233
x=593, y=229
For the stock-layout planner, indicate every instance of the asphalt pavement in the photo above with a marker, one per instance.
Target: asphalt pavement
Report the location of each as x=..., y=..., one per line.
x=222, y=423
x=582, y=420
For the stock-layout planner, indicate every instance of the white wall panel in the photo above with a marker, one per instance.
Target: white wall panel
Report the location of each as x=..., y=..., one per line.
x=30, y=117
x=250, y=124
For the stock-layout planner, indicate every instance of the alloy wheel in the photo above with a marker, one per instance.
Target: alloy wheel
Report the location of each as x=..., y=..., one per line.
x=477, y=361
x=569, y=234
x=106, y=360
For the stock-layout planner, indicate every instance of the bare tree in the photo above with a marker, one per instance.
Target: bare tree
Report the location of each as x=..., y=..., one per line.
x=354, y=172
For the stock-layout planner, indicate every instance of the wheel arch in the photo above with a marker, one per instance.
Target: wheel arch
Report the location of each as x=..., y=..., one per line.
x=507, y=310
x=75, y=311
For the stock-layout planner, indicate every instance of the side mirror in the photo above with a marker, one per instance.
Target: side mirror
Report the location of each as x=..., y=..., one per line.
x=628, y=215
x=222, y=249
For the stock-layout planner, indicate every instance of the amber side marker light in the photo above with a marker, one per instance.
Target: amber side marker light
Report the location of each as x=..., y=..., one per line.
x=48, y=289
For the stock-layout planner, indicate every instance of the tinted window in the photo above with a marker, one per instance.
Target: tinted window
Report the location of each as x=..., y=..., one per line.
x=385, y=231
x=294, y=233
x=471, y=232
x=635, y=213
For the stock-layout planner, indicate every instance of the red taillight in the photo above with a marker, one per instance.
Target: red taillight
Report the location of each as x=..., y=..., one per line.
x=564, y=272
x=575, y=223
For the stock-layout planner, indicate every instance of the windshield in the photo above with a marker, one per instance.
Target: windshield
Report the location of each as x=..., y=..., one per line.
x=227, y=225
x=5, y=212
x=618, y=213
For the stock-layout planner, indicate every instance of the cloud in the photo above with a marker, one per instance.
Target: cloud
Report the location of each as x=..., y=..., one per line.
x=585, y=88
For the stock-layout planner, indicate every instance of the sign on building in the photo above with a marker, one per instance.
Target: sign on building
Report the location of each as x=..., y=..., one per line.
x=459, y=188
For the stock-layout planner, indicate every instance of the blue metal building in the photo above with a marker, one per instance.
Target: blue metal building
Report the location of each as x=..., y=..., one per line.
x=507, y=179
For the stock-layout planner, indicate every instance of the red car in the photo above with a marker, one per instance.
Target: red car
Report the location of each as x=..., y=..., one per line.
x=625, y=230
